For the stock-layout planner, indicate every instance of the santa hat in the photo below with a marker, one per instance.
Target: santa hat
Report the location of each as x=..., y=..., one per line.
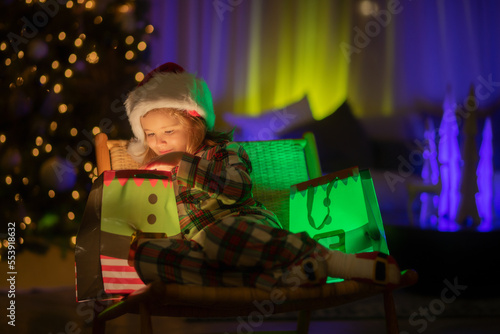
x=167, y=86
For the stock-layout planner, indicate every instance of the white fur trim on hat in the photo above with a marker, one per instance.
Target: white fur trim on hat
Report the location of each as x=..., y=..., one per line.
x=176, y=89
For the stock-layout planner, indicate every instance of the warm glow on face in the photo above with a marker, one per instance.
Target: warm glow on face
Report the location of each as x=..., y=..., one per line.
x=164, y=133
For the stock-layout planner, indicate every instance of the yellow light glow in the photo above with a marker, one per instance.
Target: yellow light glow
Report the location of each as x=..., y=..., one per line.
x=62, y=36
x=82, y=37
x=73, y=240
x=141, y=46
x=39, y=141
x=48, y=148
x=129, y=55
x=98, y=20
x=34, y=68
x=8, y=179
x=17, y=197
x=21, y=240
x=89, y=4
x=129, y=40
x=55, y=64
x=72, y=58
x=52, y=193
x=124, y=9
x=78, y=42
x=139, y=76
x=27, y=220
x=62, y=108
x=75, y=194
x=73, y=132
x=87, y=166
x=20, y=54
x=57, y=88
x=53, y=126
x=8, y=61
x=80, y=1
x=19, y=81
x=22, y=226
x=5, y=243
x=35, y=152
x=69, y=4
x=3, y=46
x=3, y=138
x=92, y=57
x=71, y=215
x=149, y=29
x=43, y=79
x=26, y=181
x=68, y=73
x=96, y=130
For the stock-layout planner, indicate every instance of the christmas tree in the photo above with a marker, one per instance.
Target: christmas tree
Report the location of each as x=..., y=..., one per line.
x=67, y=67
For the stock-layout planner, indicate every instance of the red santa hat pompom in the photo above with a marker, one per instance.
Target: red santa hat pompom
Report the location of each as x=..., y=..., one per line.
x=167, y=86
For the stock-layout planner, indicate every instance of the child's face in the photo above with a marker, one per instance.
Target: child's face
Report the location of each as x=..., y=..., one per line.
x=164, y=133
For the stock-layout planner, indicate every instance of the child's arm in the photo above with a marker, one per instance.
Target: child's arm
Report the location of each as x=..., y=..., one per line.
x=224, y=173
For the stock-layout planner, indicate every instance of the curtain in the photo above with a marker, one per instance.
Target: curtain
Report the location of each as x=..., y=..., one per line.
x=386, y=58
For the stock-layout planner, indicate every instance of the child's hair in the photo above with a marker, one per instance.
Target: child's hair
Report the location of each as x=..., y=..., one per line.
x=197, y=130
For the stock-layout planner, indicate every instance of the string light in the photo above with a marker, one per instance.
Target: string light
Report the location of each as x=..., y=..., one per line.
x=62, y=36
x=3, y=138
x=26, y=181
x=98, y=20
x=55, y=64
x=149, y=29
x=35, y=152
x=78, y=42
x=92, y=57
x=68, y=73
x=89, y=4
x=73, y=240
x=141, y=46
x=27, y=220
x=48, y=148
x=75, y=194
x=71, y=215
x=22, y=226
x=72, y=58
x=69, y=4
x=43, y=79
x=53, y=126
x=52, y=193
x=62, y=108
x=20, y=54
x=19, y=81
x=8, y=61
x=39, y=141
x=129, y=40
x=73, y=132
x=57, y=88
x=17, y=197
x=139, y=76
x=87, y=167
x=8, y=179
x=129, y=55
x=3, y=46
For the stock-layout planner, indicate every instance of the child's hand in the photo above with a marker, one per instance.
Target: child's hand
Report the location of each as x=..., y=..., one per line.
x=164, y=162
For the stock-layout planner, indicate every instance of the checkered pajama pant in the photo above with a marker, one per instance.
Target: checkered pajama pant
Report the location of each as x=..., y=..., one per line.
x=234, y=251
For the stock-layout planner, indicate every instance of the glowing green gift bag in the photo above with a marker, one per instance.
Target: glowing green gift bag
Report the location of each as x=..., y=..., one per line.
x=340, y=211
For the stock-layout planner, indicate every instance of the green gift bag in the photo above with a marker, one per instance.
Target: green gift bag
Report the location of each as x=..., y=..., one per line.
x=340, y=211
x=121, y=205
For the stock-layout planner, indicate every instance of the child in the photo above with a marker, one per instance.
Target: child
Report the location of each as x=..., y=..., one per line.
x=228, y=238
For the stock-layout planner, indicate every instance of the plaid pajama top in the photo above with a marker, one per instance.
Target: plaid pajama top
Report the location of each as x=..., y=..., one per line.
x=215, y=183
